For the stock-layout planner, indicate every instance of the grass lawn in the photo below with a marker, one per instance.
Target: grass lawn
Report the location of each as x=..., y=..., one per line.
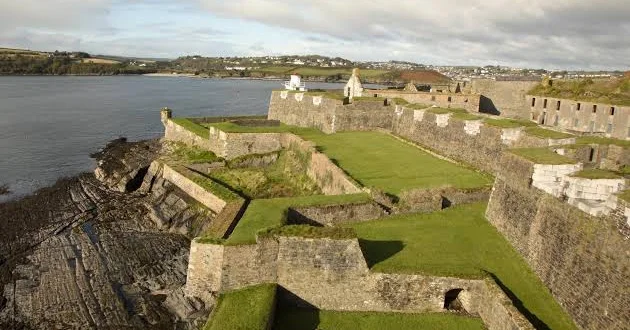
x=379, y=160
x=192, y=127
x=246, y=309
x=266, y=213
x=597, y=174
x=509, y=123
x=546, y=133
x=460, y=242
x=180, y=152
x=542, y=156
x=230, y=127
x=305, y=319
x=625, y=195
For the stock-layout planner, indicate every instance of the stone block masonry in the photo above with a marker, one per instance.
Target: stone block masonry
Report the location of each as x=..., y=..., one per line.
x=505, y=98
x=330, y=215
x=582, y=259
x=332, y=274
x=609, y=120
x=469, y=102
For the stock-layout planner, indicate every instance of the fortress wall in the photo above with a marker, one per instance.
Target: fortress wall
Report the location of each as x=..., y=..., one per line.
x=582, y=259
x=303, y=110
x=356, y=118
x=584, y=120
x=174, y=132
x=469, y=102
x=505, y=98
x=195, y=191
x=330, y=215
x=333, y=275
x=480, y=149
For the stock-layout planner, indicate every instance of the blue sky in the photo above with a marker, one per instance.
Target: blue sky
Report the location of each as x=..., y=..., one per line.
x=523, y=33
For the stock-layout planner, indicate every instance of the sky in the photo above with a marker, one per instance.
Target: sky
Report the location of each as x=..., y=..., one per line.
x=550, y=34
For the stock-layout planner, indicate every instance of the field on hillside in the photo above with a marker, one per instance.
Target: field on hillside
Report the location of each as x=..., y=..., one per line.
x=458, y=242
x=99, y=61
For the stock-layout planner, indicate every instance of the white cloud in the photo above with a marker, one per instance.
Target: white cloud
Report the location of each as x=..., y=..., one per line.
x=527, y=32
x=533, y=33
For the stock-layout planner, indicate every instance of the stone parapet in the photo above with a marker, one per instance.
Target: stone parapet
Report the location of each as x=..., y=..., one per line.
x=332, y=274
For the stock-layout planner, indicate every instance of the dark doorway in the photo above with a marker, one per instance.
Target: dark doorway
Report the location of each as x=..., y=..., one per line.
x=452, y=302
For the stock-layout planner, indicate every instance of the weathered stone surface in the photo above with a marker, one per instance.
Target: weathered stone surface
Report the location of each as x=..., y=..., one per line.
x=330, y=215
x=582, y=259
x=79, y=255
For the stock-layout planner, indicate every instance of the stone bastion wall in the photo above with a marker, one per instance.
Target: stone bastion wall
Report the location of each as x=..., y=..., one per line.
x=469, y=141
x=328, y=176
x=505, y=98
x=332, y=274
x=583, y=259
x=326, y=114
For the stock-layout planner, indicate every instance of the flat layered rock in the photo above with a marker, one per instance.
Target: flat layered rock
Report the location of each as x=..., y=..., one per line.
x=84, y=255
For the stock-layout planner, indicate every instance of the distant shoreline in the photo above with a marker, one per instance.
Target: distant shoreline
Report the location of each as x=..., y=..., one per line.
x=188, y=75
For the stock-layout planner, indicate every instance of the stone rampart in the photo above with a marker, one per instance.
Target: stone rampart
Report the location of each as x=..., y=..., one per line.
x=480, y=146
x=304, y=110
x=505, y=98
x=332, y=274
x=582, y=259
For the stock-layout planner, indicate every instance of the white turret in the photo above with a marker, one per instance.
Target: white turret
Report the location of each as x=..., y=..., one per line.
x=295, y=84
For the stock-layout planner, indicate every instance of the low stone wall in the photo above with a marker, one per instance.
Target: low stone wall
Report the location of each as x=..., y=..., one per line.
x=431, y=200
x=195, y=191
x=330, y=215
x=174, y=132
x=582, y=259
x=332, y=274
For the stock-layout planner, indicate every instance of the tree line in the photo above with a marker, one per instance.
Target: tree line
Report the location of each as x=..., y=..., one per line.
x=62, y=65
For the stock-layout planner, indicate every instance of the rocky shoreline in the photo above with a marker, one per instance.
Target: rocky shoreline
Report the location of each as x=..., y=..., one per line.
x=104, y=251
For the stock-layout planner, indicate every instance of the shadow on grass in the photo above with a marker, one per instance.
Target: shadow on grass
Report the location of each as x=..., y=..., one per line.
x=377, y=251
x=293, y=312
x=531, y=317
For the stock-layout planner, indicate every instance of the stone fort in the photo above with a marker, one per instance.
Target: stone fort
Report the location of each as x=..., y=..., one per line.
x=558, y=198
